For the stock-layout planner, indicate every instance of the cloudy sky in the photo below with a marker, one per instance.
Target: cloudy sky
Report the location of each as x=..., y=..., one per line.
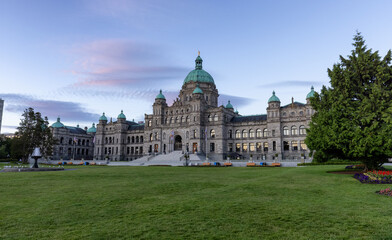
x=77, y=59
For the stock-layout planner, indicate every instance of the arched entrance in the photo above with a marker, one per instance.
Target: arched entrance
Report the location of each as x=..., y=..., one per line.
x=177, y=143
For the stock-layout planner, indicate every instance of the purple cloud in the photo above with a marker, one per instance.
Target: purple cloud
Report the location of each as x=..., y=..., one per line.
x=123, y=63
x=69, y=111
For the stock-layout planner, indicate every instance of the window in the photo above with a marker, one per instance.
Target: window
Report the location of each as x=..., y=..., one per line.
x=302, y=130
x=209, y=118
x=230, y=134
x=150, y=137
x=132, y=150
x=216, y=118
x=237, y=147
x=129, y=139
x=286, y=146
x=212, y=147
x=149, y=123
x=230, y=147
x=286, y=131
x=137, y=139
x=61, y=140
x=244, y=134
x=273, y=146
x=258, y=133
x=156, y=136
x=265, y=147
x=212, y=133
x=244, y=147
x=294, y=130
x=176, y=119
x=128, y=150
x=187, y=118
x=194, y=133
x=303, y=145
x=237, y=134
x=251, y=133
x=70, y=141
x=258, y=147
x=141, y=139
x=252, y=147
x=187, y=134
x=133, y=139
x=294, y=145
x=265, y=132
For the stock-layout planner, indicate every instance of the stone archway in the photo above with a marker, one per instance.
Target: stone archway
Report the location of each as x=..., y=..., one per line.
x=177, y=143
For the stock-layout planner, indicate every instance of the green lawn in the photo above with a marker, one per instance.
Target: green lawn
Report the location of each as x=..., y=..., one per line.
x=192, y=203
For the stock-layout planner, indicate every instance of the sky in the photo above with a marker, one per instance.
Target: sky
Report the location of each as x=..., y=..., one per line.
x=78, y=59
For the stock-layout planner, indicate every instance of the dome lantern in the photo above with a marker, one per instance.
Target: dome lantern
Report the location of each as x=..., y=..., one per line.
x=273, y=98
x=311, y=93
x=160, y=95
x=103, y=117
x=121, y=115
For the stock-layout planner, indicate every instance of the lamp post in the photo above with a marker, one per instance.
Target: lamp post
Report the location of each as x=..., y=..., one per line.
x=36, y=154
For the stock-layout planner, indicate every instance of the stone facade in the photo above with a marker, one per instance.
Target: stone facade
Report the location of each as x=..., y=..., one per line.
x=195, y=123
x=73, y=142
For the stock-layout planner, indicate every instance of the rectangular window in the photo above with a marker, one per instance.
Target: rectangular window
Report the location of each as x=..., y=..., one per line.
x=244, y=147
x=252, y=147
x=273, y=146
x=265, y=147
x=230, y=147
x=238, y=147
x=212, y=147
x=294, y=145
x=303, y=145
x=258, y=146
x=286, y=146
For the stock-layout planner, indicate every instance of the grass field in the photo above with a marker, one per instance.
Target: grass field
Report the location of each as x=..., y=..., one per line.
x=192, y=203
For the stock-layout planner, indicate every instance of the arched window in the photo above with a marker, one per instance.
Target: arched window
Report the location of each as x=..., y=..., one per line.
x=156, y=136
x=150, y=137
x=251, y=133
x=286, y=146
x=294, y=130
x=209, y=118
x=194, y=133
x=61, y=140
x=137, y=139
x=237, y=134
x=265, y=147
x=141, y=139
x=106, y=140
x=212, y=133
x=302, y=130
x=216, y=118
x=286, y=131
x=83, y=142
x=265, y=132
x=129, y=139
x=133, y=139
x=244, y=134
x=149, y=123
x=182, y=119
x=176, y=119
x=294, y=145
x=230, y=134
x=258, y=133
x=187, y=118
x=88, y=143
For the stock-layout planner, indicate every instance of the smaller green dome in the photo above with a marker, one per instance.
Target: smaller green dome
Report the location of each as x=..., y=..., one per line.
x=311, y=93
x=57, y=124
x=229, y=106
x=121, y=115
x=103, y=117
x=160, y=95
x=92, y=129
x=273, y=98
x=198, y=90
x=236, y=111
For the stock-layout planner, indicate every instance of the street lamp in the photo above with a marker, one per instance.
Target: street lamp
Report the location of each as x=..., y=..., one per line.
x=36, y=154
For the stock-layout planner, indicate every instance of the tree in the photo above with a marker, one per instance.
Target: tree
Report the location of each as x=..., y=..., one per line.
x=33, y=131
x=353, y=118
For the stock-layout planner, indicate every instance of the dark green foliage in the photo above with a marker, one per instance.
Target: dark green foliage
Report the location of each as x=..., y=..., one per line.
x=5, y=147
x=353, y=117
x=33, y=131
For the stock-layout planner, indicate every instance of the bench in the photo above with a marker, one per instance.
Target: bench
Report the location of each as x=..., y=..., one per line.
x=206, y=164
x=228, y=164
x=275, y=164
x=250, y=164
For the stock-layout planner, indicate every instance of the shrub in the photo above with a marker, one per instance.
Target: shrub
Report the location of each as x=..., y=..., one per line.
x=387, y=192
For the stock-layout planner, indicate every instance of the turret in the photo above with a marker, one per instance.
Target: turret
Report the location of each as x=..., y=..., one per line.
x=103, y=119
x=121, y=117
x=310, y=95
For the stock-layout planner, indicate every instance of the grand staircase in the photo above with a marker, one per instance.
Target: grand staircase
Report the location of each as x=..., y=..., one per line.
x=172, y=159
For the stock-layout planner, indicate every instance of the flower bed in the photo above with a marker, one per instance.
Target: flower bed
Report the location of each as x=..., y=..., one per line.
x=375, y=177
x=387, y=192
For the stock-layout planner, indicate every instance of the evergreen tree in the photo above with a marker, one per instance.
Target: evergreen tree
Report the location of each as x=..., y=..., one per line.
x=33, y=131
x=353, y=118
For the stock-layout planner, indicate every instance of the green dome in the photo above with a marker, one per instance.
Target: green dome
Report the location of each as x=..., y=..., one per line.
x=160, y=95
x=57, y=124
x=103, y=117
x=198, y=74
x=229, y=105
x=311, y=93
x=92, y=129
x=198, y=90
x=273, y=98
x=121, y=115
